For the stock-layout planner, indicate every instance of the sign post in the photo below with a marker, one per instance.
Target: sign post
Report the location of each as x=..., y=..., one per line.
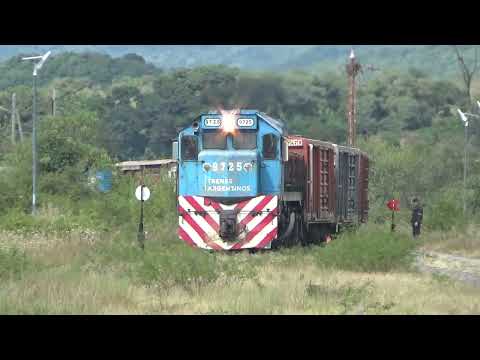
x=142, y=193
x=393, y=205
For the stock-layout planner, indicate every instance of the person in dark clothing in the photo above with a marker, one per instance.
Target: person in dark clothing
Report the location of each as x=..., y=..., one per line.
x=417, y=217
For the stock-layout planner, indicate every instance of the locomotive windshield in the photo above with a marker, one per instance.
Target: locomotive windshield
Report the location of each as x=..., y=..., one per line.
x=214, y=140
x=270, y=146
x=189, y=147
x=244, y=140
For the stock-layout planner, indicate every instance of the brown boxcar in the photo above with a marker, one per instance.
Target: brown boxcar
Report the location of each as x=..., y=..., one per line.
x=311, y=169
x=330, y=180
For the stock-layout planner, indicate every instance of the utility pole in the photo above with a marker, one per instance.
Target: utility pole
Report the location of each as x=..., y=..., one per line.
x=465, y=171
x=353, y=68
x=14, y=111
x=464, y=117
x=37, y=66
x=34, y=145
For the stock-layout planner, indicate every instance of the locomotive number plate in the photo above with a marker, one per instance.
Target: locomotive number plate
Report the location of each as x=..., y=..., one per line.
x=245, y=122
x=213, y=122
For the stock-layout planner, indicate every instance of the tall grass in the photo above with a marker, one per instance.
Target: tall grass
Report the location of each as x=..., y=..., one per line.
x=14, y=263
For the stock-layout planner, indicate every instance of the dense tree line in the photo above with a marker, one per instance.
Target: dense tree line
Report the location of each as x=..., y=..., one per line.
x=407, y=120
x=390, y=103
x=140, y=108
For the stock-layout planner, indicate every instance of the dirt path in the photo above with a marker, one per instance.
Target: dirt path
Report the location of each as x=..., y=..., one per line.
x=455, y=267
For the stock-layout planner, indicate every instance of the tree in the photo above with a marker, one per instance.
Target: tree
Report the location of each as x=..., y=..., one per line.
x=468, y=70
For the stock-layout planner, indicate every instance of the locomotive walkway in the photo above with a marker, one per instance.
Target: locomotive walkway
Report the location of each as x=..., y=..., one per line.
x=455, y=267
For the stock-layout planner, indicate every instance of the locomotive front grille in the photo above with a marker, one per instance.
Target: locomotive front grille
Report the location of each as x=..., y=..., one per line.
x=228, y=224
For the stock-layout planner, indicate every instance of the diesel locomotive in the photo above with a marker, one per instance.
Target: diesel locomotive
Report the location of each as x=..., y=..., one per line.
x=244, y=183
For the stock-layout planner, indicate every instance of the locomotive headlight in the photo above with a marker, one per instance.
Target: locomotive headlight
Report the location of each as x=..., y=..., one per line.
x=247, y=166
x=228, y=120
x=206, y=166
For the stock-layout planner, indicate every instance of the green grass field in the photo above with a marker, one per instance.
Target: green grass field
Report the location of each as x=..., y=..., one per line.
x=86, y=272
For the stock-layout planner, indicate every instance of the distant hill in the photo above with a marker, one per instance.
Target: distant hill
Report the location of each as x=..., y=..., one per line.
x=435, y=60
x=173, y=56
x=90, y=66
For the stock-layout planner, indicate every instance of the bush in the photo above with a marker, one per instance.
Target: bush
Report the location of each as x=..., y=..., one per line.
x=367, y=250
x=447, y=212
x=14, y=263
x=166, y=261
x=161, y=263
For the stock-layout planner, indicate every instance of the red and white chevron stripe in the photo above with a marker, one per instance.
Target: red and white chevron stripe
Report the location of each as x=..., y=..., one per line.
x=199, y=222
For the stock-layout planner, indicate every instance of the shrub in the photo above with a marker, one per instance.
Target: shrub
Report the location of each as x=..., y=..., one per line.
x=367, y=250
x=446, y=212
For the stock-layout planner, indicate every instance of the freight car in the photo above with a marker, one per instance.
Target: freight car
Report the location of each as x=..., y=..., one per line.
x=243, y=183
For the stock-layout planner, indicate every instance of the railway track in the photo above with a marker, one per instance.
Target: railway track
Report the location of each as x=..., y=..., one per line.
x=453, y=266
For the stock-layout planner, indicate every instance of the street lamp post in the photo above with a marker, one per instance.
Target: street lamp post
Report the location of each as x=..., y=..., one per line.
x=464, y=118
x=37, y=66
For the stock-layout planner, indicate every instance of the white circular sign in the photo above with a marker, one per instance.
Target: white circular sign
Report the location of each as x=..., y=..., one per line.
x=146, y=193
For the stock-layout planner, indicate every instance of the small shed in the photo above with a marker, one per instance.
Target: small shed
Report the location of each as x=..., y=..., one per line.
x=166, y=167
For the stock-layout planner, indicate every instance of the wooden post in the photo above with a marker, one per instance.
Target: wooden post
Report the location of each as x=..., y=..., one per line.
x=393, y=220
x=54, y=103
x=19, y=123
x=14, y=111
x=141, y=232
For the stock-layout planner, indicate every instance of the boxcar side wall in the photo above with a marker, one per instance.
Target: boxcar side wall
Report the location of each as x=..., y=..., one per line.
x=322, y=176
x=363, y=178
x=347, y=165
x=317, y=158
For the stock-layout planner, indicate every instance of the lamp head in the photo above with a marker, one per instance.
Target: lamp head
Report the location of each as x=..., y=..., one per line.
x=463, y=117
x=38, y=65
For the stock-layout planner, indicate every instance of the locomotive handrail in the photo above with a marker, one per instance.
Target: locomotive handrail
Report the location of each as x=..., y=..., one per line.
x=218, y=211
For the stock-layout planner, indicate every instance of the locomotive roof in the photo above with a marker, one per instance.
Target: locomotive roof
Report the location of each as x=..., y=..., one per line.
x=275, y=123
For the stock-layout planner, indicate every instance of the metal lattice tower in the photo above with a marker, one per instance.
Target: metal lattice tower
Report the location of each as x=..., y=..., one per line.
x=353, y=68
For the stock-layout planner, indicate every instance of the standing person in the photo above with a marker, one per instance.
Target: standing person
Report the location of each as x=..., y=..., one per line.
x=417, y=217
